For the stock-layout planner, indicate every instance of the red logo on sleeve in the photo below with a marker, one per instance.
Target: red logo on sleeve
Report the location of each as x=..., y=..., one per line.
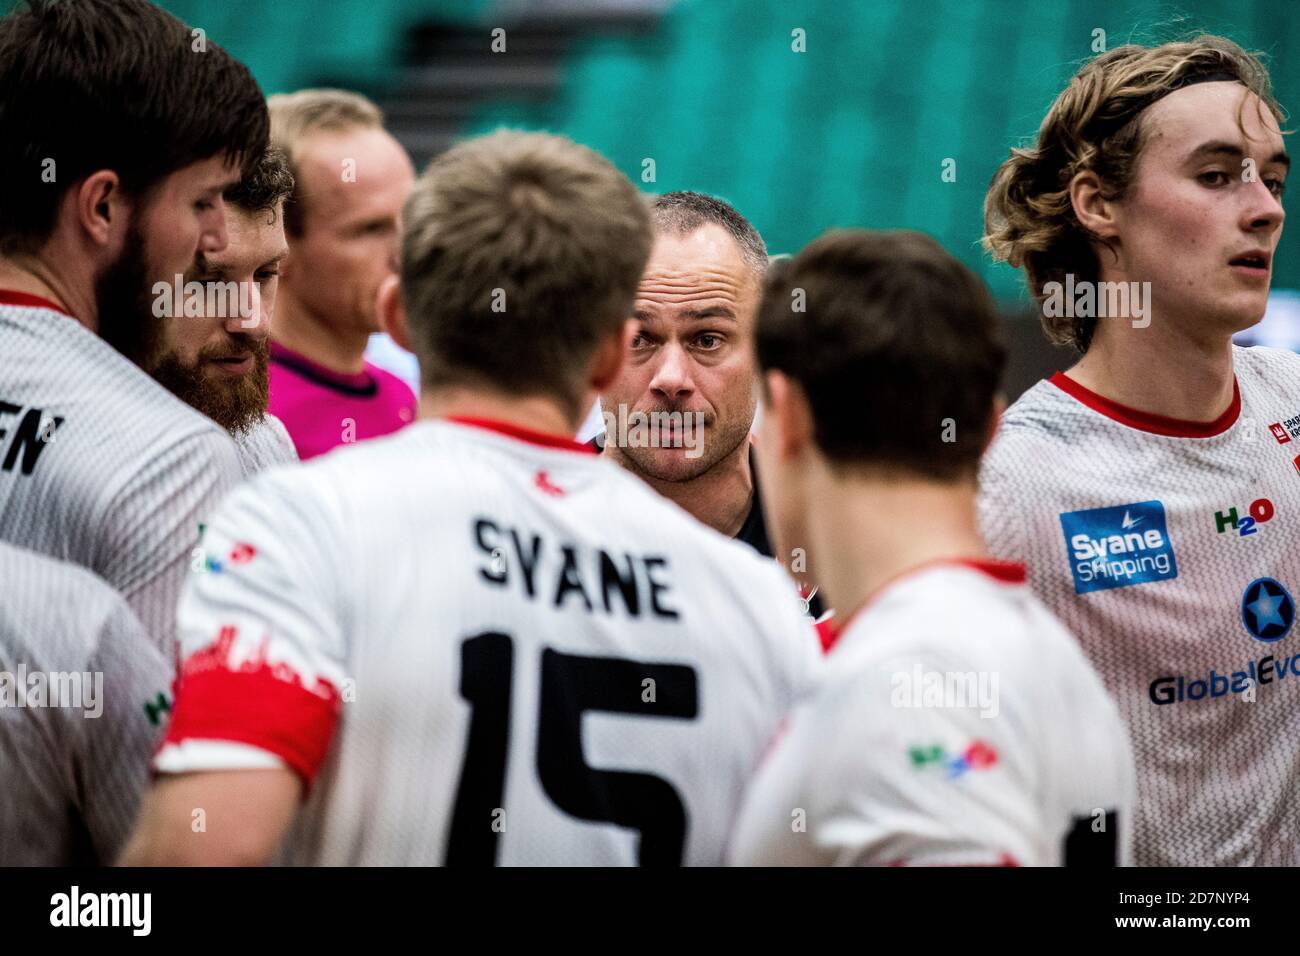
x=221, y=695
x=242, y=553
x=544, y=483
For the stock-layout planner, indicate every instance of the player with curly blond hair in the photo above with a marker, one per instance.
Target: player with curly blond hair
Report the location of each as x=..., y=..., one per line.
x=1154, y=488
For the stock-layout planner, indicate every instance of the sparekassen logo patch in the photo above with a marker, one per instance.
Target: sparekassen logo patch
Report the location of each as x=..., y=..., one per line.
x=1118, y=546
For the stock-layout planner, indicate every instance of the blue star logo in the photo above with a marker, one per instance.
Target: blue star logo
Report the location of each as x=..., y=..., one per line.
x=1267, y=610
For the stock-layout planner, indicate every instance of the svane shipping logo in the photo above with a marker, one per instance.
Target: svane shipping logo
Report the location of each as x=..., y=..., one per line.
x=1118, y=546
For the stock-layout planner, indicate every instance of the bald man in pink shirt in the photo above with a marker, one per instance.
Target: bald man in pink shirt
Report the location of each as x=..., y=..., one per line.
x=343, y=223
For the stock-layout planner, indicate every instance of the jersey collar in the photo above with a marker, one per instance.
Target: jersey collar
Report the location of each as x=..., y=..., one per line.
x=1146, y=421
x=1004, y=572
x=28, y=301
x=519, y=433
x=361, y=384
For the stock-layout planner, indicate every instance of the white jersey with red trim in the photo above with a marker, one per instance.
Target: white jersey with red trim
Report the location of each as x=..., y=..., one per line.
x=494, y=647
x=957, y=724
x=1169, y=549
x=82, y=702
x=99, y=464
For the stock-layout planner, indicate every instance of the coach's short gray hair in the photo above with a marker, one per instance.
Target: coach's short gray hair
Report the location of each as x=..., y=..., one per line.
x=681, y=213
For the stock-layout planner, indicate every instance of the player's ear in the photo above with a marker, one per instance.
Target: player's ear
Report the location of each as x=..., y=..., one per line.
x=995, y=418
x=287, y=263
x=1094, y=212
x=100, y=206
x=392, y=312
x=611, y=353
x=790, y=414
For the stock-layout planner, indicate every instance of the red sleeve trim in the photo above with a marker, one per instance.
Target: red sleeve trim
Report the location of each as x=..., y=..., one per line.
x=258, y=708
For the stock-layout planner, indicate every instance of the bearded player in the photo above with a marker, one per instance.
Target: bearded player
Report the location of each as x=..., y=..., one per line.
x=1146, y=217
x=957, y=722
x=216, y=352
x=505, y=649
x=100, y=466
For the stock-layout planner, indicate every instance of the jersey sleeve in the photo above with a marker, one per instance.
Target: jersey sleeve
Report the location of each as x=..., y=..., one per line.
x=152, y=526
x=262, y=674
x=906, y=784
x=112, y=762
x=264, y=446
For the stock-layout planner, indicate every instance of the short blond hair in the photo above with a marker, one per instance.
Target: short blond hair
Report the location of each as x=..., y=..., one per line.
x=1094, y=124
x=295, y=116
x=521, y=252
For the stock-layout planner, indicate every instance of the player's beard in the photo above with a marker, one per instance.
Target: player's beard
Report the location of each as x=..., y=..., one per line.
x=716, y=443
x=125, y=306
x=234, y=404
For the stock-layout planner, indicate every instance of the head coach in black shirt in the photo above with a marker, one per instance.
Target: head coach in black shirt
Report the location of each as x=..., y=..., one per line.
x=680, y=414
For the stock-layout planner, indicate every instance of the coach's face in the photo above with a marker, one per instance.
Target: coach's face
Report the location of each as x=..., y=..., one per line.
x=217, y=361
x=1203, y=217
x=353, y=185
x=694, y=316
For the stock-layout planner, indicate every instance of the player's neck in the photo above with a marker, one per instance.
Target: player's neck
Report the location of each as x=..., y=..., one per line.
x=1164, y=369
x=313, y=337
x=533, y=413
x=867, y=532
x=30, y=274
x=721, y=498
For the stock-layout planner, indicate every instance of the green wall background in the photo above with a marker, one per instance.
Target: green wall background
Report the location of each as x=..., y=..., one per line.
x=852, y=132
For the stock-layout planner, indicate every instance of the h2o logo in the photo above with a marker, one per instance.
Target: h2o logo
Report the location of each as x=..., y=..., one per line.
x=1260, y=511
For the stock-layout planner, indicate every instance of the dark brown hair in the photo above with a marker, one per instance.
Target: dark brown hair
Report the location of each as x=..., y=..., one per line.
x=264, y=187
x=896, y=345
x=111, y=84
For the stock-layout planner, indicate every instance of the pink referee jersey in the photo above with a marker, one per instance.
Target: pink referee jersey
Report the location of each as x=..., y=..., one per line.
x=322, y=408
